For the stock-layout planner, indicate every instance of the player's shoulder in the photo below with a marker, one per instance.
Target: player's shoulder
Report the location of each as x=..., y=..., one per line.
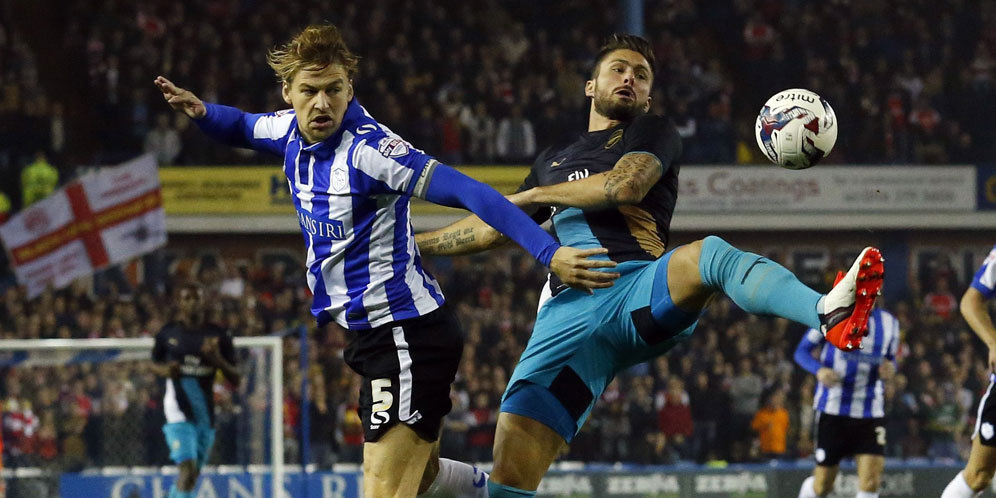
x=275, y=125
x=169, y=328
x=362, y=126
x=655, y=123
x=990, y=257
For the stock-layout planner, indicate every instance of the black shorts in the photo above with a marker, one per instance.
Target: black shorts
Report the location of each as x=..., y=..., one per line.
x=407, y=368
x=838, y=437
x=985, y=420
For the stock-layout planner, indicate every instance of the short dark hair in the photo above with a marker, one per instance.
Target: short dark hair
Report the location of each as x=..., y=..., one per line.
x=618, y=41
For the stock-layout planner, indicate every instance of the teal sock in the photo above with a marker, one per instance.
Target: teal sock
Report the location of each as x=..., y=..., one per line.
x=496, y=490
x=757, y=284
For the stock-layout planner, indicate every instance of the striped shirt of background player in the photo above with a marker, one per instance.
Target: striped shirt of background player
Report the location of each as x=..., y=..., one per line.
x=859, y=392
x=351, y=193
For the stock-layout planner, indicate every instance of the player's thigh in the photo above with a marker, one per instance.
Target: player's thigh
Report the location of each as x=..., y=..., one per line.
x=981, y=464
x=684, y=280
x=524, y=450
x=823, y=477
x=394, y=464
x=869, y=471
x=407, y=368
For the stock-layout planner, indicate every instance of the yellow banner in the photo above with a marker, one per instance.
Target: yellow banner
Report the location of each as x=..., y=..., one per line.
x=263, y=189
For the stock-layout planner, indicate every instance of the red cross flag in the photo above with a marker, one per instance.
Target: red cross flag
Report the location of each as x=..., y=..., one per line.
x=100, y=219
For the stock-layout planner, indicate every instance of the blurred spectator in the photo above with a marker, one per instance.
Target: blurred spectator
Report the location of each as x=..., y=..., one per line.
x=941, y=302
x=481, y=428
x=745, y=397
x=481, y=133
x=516, y=141
x=771, y=423
x=647, y=438
x=38, y=180
x=944, y=424
x=163, y=141
x=676, y=418
x=4, y=208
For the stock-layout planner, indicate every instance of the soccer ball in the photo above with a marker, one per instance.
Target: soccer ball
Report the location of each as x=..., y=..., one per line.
x=796, y=128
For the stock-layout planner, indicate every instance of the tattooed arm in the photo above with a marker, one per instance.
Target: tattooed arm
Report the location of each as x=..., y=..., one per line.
x=626, y=183
x=467, y=236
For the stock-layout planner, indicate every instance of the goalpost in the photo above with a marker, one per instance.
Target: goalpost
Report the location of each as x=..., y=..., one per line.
x=56, y=357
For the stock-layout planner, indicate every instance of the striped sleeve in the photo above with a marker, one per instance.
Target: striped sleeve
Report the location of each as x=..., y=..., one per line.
x=263, y=132
x=985, y=278
x=393, y=162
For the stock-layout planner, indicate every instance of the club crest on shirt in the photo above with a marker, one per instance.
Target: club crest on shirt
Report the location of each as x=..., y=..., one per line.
x=614, y=139
x=986, y=430
x=392, y=147
x=338, y=179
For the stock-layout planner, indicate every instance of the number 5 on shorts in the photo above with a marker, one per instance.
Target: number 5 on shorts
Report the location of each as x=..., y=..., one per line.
x=382, y=401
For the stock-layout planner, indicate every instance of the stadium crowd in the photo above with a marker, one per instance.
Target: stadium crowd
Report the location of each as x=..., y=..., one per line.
x=911, y=81
x=709, y=399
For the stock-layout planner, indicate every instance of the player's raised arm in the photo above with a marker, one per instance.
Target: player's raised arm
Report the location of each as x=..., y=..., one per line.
x=179, y=99
x=263, y=132
x=448, y=187
x=652, y=146
x=472, y=235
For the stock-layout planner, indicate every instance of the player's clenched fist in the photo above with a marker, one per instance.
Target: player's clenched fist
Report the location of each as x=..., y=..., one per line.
x=181, y=100
x=573, y=268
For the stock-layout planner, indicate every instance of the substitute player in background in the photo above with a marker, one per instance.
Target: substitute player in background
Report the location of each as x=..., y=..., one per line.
x=849, y=404
x=616, y=187
x=351, y=180
x=189, y=353
x=978, y=472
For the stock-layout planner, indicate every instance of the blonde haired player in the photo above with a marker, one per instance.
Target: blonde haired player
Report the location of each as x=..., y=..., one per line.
x=351, y=180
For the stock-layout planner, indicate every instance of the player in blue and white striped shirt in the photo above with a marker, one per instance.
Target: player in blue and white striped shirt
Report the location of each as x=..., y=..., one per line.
x=978, y=472
x=849, y=403
x=351, y=179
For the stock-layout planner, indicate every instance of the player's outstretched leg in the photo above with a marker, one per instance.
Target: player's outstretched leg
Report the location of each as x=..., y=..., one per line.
x=977, y=475
x=764, y=287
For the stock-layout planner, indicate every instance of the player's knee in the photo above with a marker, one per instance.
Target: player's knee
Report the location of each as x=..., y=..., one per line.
x=978, y=478
x=509, y=472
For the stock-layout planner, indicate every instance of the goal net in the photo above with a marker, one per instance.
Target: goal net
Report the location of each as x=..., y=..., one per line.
x=84, y=417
